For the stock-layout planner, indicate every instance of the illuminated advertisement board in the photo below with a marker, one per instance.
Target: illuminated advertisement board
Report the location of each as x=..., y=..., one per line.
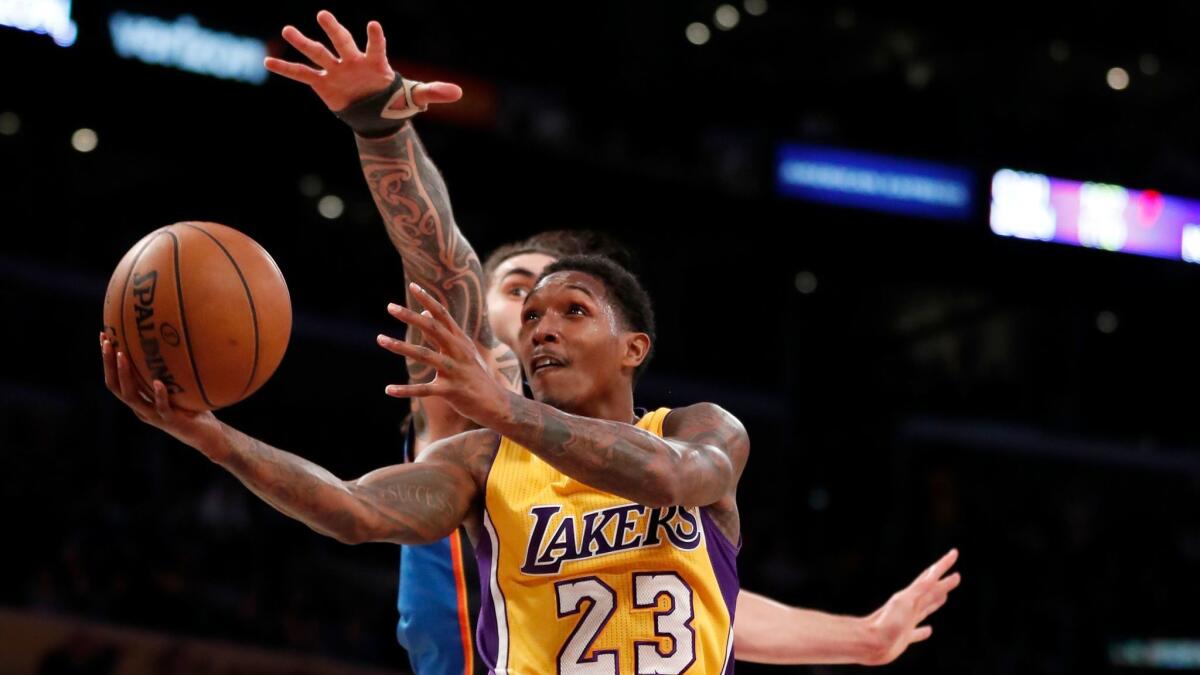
x=877, y=182
x=184, y=44
x=1094, y=215
x=48, y=17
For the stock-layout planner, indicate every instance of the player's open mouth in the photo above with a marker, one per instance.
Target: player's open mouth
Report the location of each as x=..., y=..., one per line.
x=542, y=363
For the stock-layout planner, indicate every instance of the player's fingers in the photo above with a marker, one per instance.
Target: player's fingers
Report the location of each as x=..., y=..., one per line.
x=428, y=93
x=343, y=41
x=110, y=366
x=931, y=574
x=949, y=583
x=130, y=394
x=376, y=44
x=410, y=351
x=944, y=564
x=410, y=390
x=162, y=401
x=293, y=71
x=440, y=361
x=435, y=308
x=431, y=331
x=125, y=384
x=920, y=633
x=932, y=606
x=315, y=51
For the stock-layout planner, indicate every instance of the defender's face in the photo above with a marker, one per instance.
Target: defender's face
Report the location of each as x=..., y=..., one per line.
x=510, y=284
x=570, y=343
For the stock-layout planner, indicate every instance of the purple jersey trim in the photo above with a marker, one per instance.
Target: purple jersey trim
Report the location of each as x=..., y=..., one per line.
x=487, y=638
x=722, y=555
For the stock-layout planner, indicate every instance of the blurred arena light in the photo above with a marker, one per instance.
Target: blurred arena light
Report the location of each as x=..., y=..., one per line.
x=844, y=18
x=806, y=282
x=310, y=185
x=918, y=74
x=45, y=17
x=1107, y=322
x=1117, y=78
x=1060, y=51
x=755, y=7
x=84, y=140
x=1148, y=64
x=331, y=206
x=697, y=33
x=726, y=17
x=10, y=123
x=818, y=499
x=1177, y=654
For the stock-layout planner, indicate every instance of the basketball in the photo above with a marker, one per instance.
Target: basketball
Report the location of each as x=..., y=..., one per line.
x=201, y=307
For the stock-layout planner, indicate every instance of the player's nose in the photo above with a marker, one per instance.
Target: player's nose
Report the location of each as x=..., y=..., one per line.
x=546, y=331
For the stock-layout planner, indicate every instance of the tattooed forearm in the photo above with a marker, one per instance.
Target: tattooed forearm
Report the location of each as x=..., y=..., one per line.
x=411, y=197
x=409, y=504
x=419, y=503
x=690, y=469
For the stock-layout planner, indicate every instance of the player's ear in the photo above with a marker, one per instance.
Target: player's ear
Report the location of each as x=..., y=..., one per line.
x=637, y=348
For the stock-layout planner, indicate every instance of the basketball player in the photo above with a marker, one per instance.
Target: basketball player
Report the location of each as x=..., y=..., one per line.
x=606, y=540
x=408, y=190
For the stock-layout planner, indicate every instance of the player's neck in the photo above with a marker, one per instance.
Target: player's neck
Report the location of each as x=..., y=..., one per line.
x=616, y=406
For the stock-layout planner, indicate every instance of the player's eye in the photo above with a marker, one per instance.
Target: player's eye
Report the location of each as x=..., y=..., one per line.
x=529, y=316
x=518, y=292
x=576, y=308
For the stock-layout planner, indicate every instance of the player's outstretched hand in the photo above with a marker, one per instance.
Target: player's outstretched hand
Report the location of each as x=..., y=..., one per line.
x=347, y=75
x=194, y=429
x=464, y=379
x=897, y=624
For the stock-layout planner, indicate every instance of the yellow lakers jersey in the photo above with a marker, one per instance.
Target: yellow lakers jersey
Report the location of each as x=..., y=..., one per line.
x=578, y=581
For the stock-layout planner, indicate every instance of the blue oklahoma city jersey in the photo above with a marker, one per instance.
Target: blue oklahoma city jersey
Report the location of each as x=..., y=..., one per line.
x=438, y=601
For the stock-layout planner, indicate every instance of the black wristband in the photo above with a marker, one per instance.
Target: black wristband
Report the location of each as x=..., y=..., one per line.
x=365, y=116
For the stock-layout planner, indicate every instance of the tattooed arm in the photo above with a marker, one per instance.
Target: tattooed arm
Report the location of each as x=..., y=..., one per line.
x=406, y=186
x=697, y=462
x=411, y=197
x=409, y=193
x=413, y=503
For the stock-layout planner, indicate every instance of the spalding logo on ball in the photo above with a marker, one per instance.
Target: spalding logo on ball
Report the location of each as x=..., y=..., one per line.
x=203, y=308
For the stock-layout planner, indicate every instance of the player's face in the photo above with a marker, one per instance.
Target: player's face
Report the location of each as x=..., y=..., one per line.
x=571, y=343
x=510, y=283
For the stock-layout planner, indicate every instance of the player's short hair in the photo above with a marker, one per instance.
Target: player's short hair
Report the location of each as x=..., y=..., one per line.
x=559, y=244
x=625, y=293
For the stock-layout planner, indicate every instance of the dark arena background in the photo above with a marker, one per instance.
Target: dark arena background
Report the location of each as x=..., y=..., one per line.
x=938, y=258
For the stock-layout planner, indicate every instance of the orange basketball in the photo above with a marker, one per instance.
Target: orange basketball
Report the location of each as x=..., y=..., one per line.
x=203, y=308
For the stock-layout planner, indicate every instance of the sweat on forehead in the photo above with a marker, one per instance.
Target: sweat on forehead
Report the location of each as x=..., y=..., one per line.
x=585, y=282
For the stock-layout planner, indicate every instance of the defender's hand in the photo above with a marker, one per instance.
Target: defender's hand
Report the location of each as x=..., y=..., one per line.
x=896, y=625
x=352, y=75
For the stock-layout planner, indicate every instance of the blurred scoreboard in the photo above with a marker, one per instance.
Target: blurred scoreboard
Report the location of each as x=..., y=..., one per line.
x=1094, y=215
